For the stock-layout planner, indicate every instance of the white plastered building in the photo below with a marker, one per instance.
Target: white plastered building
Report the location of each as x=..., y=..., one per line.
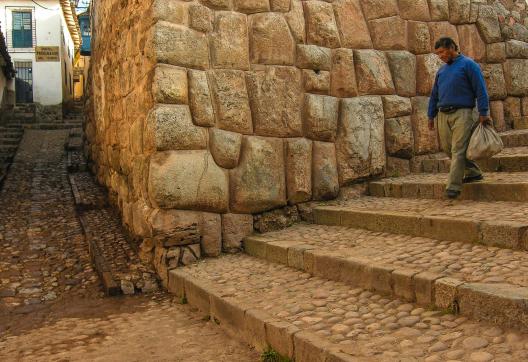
x=42, y=38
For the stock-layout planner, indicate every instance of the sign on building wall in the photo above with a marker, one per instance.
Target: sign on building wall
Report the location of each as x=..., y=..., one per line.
x=47, y=54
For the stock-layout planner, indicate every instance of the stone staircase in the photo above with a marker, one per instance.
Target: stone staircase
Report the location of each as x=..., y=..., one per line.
x=399, y=275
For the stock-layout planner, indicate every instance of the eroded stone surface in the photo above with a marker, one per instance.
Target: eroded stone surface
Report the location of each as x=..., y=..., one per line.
x=360, y=141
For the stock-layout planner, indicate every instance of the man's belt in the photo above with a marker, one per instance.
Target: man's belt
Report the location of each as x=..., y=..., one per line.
x=448, y=109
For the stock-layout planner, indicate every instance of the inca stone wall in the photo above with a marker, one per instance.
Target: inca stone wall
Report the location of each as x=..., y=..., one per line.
x=208, y=112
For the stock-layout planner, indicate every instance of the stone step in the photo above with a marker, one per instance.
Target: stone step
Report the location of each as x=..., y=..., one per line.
x=8, y=149
x=309, y=318
x=515, y=138
x=501, y=186
x=503, y=224
x=514, y=159
x=9, y=140
x=448, y=275
x=74, y=144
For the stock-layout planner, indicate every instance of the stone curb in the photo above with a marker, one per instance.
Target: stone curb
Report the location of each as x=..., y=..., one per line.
x=510, y=163
x=501, y=304
x=254, y=326
x=505, y=234
x=515, y=139
x=481, y=191
x=110, y=286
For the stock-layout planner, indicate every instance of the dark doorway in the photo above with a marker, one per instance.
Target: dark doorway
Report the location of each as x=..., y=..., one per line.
x=24, y=82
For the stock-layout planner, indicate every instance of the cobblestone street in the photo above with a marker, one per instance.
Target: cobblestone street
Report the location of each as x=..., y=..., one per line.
x=52, y=306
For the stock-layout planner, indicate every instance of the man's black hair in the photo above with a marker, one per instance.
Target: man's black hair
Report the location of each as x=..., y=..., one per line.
x=446, y=43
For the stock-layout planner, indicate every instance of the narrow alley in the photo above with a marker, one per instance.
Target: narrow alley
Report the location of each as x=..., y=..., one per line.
x=52, y=305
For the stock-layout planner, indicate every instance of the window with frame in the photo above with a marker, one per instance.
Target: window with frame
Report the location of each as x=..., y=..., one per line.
x=22, y=29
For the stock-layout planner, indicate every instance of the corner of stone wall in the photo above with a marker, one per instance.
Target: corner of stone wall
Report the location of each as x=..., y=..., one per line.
x=227, y=117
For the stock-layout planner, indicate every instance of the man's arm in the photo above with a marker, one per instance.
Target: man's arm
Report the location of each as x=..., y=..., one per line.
x=433, y=104
x=479, y=87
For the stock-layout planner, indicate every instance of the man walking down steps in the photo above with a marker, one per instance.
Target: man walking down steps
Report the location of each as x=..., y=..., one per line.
x=458, y=83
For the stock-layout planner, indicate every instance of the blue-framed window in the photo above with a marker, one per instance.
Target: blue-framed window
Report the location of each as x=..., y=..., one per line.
x=22, y=29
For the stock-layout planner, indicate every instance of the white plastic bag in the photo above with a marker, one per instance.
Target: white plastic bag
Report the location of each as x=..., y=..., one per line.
x=485, y=142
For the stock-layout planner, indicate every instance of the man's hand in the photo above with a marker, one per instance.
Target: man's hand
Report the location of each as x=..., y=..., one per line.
x=484, y=120
x=431, y=124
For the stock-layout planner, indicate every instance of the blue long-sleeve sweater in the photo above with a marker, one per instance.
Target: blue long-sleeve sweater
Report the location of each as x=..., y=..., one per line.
x=458, y=84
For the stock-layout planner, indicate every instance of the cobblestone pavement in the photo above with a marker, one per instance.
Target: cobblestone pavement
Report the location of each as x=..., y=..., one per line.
x=43, y=255
x=472, y=210
x=52, y=306
x=141, y=328
x=364, y=324
x=467, y=262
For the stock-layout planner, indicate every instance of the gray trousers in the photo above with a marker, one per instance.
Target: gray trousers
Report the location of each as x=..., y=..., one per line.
x=455, y=131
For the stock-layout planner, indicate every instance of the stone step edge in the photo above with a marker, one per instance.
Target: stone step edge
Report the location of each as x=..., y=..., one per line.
x=503, y=234
x=253, y=326
x=487, y=190
x=500, y=304
x=80, y=205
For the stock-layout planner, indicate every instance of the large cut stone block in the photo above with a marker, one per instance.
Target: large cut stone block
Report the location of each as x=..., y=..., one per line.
x=516, y=49
x=170, y=84
x=496, y=53
x=418, y=37
x=231, y=101
x=360, y=143
x=187, y=180
x=170, y=127
x=395, y=106
x=225, y=147
x=325, y=180
x=320, y=117
x=389, y=33
x=488, y=24
x=271, y=40
x=229, y=42
x=425, y=140
x=497, y=115
x=494, y=76
x=295, y=19
x=258, y=183
x=399, y=137
x=210, y=227
x=217, y=4
x=439, y=10
x=316, y=81
x=373, y=72
x=313, y=57
x=442, y=29
x=471, y=43
x=343, y=76
x=179, y=45
x=375, y=9
x=251, y=6
x=299, y=170
x=235, y=227
x=403, y=68
x=321, y=27
x=512, y=110
x=426, y=68
x=280, y=5
x=352, y=25
x=459, y=11
x=516, y=75
x=200, y=18
x=200, y=99
x=414, y=10
x=275, y=95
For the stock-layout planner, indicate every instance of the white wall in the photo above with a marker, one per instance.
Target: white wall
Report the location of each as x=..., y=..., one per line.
x=48, y=77
x=67, y=55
